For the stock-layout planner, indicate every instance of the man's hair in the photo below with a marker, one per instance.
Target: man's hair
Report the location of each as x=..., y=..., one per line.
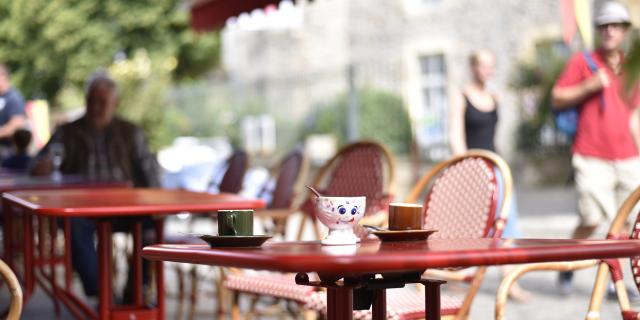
x=22, y=139
x=100, y=78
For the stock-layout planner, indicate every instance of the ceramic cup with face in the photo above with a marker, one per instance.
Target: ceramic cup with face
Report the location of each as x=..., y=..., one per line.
x=340, y=214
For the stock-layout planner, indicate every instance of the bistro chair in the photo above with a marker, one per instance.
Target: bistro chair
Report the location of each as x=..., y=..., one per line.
x=290, y=175
x=606, y=268
x=15, y=291
x=236, y=168
x=467, y=196
x=230, y=181
x=362, y=168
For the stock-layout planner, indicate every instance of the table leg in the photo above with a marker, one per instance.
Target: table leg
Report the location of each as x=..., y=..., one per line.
x=53, y=232
x=7, y=229
x=339, y=303
x=159, y=270
x=432, y=299
x=379, y=308
x=136, y=264
x=68, y=268
x=27, y=243
x=104, y=268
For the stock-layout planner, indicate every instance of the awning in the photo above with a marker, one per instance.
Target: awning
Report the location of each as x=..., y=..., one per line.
x=209, y=15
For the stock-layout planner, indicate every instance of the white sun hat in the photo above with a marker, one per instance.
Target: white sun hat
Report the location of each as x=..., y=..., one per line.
x=611, y=12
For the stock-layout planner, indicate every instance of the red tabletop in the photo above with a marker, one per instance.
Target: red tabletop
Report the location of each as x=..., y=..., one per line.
x=374, y=256
x=115, y=202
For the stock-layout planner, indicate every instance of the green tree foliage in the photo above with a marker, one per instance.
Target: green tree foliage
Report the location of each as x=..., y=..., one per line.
x=633, y=59
x=52, y=44
x=538, y=76
x=383, y=117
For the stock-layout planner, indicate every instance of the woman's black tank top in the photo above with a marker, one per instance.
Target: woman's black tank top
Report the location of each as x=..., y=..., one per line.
x=480, y=127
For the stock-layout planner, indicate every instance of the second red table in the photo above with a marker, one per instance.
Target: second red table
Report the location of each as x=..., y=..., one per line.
x=105, y=205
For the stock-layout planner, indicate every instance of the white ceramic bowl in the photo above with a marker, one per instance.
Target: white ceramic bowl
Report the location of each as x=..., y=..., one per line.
x=340, y=214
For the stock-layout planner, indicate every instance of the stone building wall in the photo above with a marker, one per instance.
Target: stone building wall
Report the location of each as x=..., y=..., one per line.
x=295, y=69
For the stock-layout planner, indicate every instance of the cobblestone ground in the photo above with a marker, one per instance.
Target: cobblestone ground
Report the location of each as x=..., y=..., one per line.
x=543, y=214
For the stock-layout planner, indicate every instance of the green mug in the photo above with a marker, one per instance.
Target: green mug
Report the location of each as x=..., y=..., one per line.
x=235, y=222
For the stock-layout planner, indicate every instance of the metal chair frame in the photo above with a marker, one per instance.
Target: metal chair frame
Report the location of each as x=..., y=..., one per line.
x=606, y=268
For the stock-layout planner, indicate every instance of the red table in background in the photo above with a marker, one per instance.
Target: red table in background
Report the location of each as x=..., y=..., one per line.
x=403, y=262
x=104, y=205
x=21, y=181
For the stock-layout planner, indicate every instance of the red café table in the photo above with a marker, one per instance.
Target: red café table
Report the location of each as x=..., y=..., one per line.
x=18, y=181
x=103, y=205
x=397, y=262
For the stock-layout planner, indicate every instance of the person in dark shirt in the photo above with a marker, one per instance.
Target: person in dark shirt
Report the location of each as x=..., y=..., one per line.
x=102, y=147
x=473, y=122
x=12, y=116
x=21, y=159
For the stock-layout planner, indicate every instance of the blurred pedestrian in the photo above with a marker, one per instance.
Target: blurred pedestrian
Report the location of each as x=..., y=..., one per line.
x=472, y=125
x=20, y=159
x=102, y=147
x=604, y=155
x=12, y=116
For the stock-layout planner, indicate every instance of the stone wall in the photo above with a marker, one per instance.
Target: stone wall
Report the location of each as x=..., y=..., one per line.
x=293, y=70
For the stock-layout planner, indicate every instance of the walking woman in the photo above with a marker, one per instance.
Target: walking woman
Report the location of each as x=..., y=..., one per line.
x=472, y=125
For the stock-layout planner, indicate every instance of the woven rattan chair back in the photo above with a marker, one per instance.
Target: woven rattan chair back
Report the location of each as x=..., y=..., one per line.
x=363, y=168
x=288, y=174
x=237, y=165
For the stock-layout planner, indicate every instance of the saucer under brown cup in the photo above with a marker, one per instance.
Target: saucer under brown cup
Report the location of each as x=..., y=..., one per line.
x=405, y=216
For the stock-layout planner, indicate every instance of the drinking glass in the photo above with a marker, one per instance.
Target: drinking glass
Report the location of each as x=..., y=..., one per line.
x=56, y=152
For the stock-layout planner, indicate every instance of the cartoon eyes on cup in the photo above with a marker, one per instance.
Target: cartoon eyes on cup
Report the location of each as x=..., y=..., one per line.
x=343, y=210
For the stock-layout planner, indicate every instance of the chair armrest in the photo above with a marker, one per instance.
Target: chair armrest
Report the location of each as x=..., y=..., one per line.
x=15, y=291
x=517, y=272
x=234, y=271
x=447, y=275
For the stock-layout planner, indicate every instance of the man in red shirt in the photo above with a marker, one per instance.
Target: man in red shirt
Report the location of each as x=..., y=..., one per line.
x=605, y=156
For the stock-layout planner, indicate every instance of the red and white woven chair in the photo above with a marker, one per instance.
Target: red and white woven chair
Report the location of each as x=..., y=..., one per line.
x=362, y=168
x=461, y=197
x=229, y=181
x=291, y=175
x=612, y=267
x=15, y=292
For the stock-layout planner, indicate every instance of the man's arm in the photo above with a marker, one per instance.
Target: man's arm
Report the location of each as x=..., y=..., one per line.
x=634, y=126
x=569, y=96
x=15, y=122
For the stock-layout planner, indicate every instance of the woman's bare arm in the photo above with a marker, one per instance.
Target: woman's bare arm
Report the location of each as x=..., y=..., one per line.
x=456, y=124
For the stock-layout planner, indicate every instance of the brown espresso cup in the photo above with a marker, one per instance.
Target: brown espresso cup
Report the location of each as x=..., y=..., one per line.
x=405, y=216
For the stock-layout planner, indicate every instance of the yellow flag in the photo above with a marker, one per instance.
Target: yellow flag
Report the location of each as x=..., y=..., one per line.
x=38, y=114
x=583, y=18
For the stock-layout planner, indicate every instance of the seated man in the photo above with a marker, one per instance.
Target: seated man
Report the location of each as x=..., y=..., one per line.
x=103, y=147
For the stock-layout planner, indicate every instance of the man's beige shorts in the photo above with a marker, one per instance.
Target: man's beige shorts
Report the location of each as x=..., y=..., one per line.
x=603, y=185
